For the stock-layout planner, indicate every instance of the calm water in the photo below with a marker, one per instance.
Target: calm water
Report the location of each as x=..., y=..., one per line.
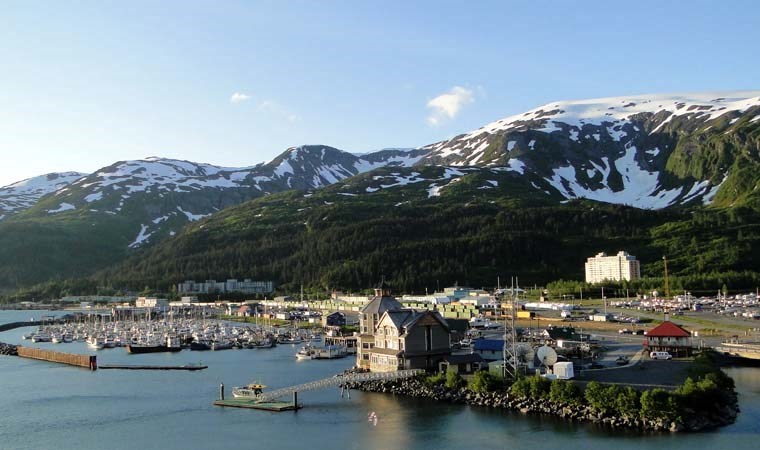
x=50, y=406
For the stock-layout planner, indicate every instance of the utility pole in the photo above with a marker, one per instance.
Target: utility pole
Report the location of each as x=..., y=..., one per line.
x=667, y=285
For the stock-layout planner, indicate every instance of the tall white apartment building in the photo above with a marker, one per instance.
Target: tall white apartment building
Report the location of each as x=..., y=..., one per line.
x=616, y=268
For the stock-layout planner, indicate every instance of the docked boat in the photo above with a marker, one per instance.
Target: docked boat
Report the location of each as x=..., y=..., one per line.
x=171, y=345
x=221, y=345
x=251, y=390
x=41, y=337
x=95, y=342
x=306, y=352
x=200, y=345
x=263, y=343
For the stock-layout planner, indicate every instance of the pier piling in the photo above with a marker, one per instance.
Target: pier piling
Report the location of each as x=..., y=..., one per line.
x=221, y=391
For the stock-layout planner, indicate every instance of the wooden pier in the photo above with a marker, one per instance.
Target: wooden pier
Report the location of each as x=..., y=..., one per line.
x=86, y=361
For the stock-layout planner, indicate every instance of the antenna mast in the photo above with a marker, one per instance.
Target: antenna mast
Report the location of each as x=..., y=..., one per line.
x=510, y=338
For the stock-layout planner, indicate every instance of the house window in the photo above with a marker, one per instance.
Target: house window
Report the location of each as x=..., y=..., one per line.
x=428, y=338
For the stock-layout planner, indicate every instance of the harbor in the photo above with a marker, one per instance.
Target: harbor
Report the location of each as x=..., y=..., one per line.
x=165, y=406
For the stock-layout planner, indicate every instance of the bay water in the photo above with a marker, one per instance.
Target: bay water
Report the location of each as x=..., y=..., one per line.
x=51, y=406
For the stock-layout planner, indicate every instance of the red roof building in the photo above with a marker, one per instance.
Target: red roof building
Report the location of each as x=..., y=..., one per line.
x=669, y=337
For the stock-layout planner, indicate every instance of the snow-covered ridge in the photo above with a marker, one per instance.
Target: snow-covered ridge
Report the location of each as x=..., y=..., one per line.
x=704, y=105
x=614, y=119
x=163, y=174
x=25, y=193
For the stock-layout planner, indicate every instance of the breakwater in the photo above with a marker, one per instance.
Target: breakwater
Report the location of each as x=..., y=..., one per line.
x=86, y=361
x=7, y=349
x=417, y=387
x=14, y=325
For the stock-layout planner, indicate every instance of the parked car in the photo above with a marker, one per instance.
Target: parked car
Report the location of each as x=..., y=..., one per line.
x=660, y=355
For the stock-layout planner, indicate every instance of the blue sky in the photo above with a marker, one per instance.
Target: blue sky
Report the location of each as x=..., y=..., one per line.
x=85, y=84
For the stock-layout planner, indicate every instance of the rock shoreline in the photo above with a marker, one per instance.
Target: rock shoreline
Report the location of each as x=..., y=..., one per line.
x=8, y=349
x=416, y=387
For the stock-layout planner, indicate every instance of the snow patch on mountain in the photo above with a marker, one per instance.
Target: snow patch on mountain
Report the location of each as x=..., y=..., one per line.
x=141, y=238
x=61, y=208
x=641, y=188
x=93, y=197
x=190, y=216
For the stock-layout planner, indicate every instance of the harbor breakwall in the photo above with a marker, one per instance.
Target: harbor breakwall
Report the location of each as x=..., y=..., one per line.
x=86, y=361
x=13, y=325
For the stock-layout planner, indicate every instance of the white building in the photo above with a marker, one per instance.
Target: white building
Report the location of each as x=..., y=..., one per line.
x=151, y=302
x=432, y=299
x=246, y=286
x=614, y=268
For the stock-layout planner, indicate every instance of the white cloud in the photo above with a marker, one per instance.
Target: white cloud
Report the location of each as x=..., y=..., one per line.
x=274, y=108
x=239, y=97
x=447, y=105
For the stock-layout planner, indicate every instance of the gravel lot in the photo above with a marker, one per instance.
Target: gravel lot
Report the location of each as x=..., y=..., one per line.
x=646, y=372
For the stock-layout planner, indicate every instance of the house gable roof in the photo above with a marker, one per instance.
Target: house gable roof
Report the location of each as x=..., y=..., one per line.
x=379, y=305
x=668, y=329
x=406, y=319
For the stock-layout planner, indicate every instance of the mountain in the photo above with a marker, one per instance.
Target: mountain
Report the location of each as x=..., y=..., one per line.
x=692, y=153
x=23, y=194
x=157, y=197
x=423, y=227
x=636, y=150
x=99, y=218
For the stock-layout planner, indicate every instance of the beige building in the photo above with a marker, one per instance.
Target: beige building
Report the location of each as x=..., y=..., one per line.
x=393, y=337
x=409, y=339
x=614, y=268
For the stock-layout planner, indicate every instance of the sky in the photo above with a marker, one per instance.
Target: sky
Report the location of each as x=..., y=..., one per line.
x=84, y=84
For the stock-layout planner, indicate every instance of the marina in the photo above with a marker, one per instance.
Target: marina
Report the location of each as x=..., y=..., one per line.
x=164, y=405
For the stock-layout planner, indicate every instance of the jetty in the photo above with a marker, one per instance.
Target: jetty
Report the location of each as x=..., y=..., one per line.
x=86, y=361
x=253, y=399
x=190, y=367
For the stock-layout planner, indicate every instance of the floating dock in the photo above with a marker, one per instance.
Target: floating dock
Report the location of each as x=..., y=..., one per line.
x=251, y=404
x=143, y=367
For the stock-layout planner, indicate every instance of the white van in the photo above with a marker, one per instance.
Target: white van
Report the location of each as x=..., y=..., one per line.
x=660, y=355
